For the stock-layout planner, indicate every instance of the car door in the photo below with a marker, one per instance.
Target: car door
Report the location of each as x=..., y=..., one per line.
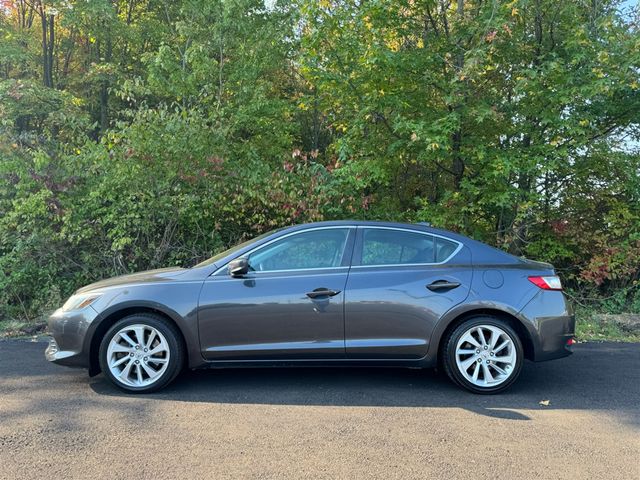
x=290, y=305
x=401, y=282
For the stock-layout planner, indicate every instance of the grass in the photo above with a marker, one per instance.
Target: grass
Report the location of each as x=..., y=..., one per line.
x=9, y=326
x=18, y=329
x=589, y=327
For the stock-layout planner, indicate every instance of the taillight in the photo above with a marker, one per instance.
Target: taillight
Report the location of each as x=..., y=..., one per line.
x=549, y=282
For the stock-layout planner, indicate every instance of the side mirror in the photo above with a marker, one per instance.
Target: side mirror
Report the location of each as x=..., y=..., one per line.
x=238, y=267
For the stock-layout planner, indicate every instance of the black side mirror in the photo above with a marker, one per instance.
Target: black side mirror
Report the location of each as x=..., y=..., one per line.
x=238, y=267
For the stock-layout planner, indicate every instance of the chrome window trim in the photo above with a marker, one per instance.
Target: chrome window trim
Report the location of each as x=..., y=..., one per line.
x=329, y=270
x=246, y=254
x=453, y=254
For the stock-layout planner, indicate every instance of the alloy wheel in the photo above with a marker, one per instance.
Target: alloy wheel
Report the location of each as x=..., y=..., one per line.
x=138, y=355
x=486, y=355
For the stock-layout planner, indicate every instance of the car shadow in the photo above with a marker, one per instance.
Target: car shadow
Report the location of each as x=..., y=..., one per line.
x=582, y=382
x=601, y=377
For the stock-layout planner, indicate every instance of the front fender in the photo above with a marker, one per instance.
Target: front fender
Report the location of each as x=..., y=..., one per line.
x=177, y=301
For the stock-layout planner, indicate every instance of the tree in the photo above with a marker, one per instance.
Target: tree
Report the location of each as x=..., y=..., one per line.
x=141, y=133
x=479, y=111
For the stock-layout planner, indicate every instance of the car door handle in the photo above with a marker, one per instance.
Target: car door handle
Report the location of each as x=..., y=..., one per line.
x=442, y=285
x=322, y=292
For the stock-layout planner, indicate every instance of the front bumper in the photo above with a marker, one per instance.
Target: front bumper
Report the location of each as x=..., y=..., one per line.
x=69, y=345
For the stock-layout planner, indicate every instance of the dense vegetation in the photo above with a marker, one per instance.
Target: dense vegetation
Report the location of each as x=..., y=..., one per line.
x=137, y=134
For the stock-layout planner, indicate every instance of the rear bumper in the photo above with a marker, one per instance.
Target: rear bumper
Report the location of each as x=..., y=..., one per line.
x=557, y=349
x=554, y=323
x=68, y=346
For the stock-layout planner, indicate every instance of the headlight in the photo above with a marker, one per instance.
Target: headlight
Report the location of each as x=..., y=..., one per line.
x=80, y=301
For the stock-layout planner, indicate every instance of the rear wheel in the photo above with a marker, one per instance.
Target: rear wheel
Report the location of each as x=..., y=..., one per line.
x=141, y=353
x=483, y=354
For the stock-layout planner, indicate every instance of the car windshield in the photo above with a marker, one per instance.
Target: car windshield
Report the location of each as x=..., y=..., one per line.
x=235, y=248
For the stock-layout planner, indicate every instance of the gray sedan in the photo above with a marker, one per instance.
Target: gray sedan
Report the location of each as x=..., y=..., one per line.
x=330, y=293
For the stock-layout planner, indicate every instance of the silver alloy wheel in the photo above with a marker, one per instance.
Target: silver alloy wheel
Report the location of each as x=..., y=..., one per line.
x=138, y=355
x=486, y=355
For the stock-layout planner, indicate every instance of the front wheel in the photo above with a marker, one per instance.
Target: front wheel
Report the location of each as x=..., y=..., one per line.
x=141, y=353
x=483, y=355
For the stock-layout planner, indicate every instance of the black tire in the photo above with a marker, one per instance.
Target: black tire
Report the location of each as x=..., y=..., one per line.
x=173, y=338
x=448, y=354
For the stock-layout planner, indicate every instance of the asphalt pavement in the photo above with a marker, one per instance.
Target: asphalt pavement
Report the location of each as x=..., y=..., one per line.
x=349, y=423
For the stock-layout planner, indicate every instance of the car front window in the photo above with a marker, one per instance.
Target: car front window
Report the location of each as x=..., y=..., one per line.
x=320, y=248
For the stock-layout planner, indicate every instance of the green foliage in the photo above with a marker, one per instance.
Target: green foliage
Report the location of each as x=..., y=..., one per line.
x=592, y=327
x=496, y=119
x=174, y=129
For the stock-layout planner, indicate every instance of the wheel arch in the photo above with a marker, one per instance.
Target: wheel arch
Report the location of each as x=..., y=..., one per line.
x=510, y=318
x=111, y=316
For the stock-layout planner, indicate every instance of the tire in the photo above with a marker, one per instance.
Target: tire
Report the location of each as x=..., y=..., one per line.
x=497, y=365
x=146, y=364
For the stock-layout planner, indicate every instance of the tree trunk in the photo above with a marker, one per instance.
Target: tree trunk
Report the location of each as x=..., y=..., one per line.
x=104, y=90
x=50, y=56
x=457, y=165
x=68, y=54
x=46, y=74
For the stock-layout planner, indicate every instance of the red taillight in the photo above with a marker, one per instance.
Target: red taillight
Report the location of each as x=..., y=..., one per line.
x=571, y=342
x=548, y=282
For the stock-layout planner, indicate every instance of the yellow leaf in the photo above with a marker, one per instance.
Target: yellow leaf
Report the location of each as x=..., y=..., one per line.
x=394, y=45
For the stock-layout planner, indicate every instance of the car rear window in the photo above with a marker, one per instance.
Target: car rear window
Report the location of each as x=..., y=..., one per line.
x=402, y=247
x=396, y=247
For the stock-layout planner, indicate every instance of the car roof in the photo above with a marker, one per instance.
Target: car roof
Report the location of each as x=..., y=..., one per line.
x=423, y=227
x=481, y=252
x=358, y=223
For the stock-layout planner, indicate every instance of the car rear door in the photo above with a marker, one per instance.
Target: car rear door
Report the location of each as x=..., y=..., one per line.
x=289, y=306
x=400, y=283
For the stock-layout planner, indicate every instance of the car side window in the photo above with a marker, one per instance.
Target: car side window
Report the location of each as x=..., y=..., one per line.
x=444, y=249
x=321, y=248
x=395, y=247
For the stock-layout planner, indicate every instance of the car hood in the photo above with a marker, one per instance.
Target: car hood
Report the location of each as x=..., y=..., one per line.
x=149, y=276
